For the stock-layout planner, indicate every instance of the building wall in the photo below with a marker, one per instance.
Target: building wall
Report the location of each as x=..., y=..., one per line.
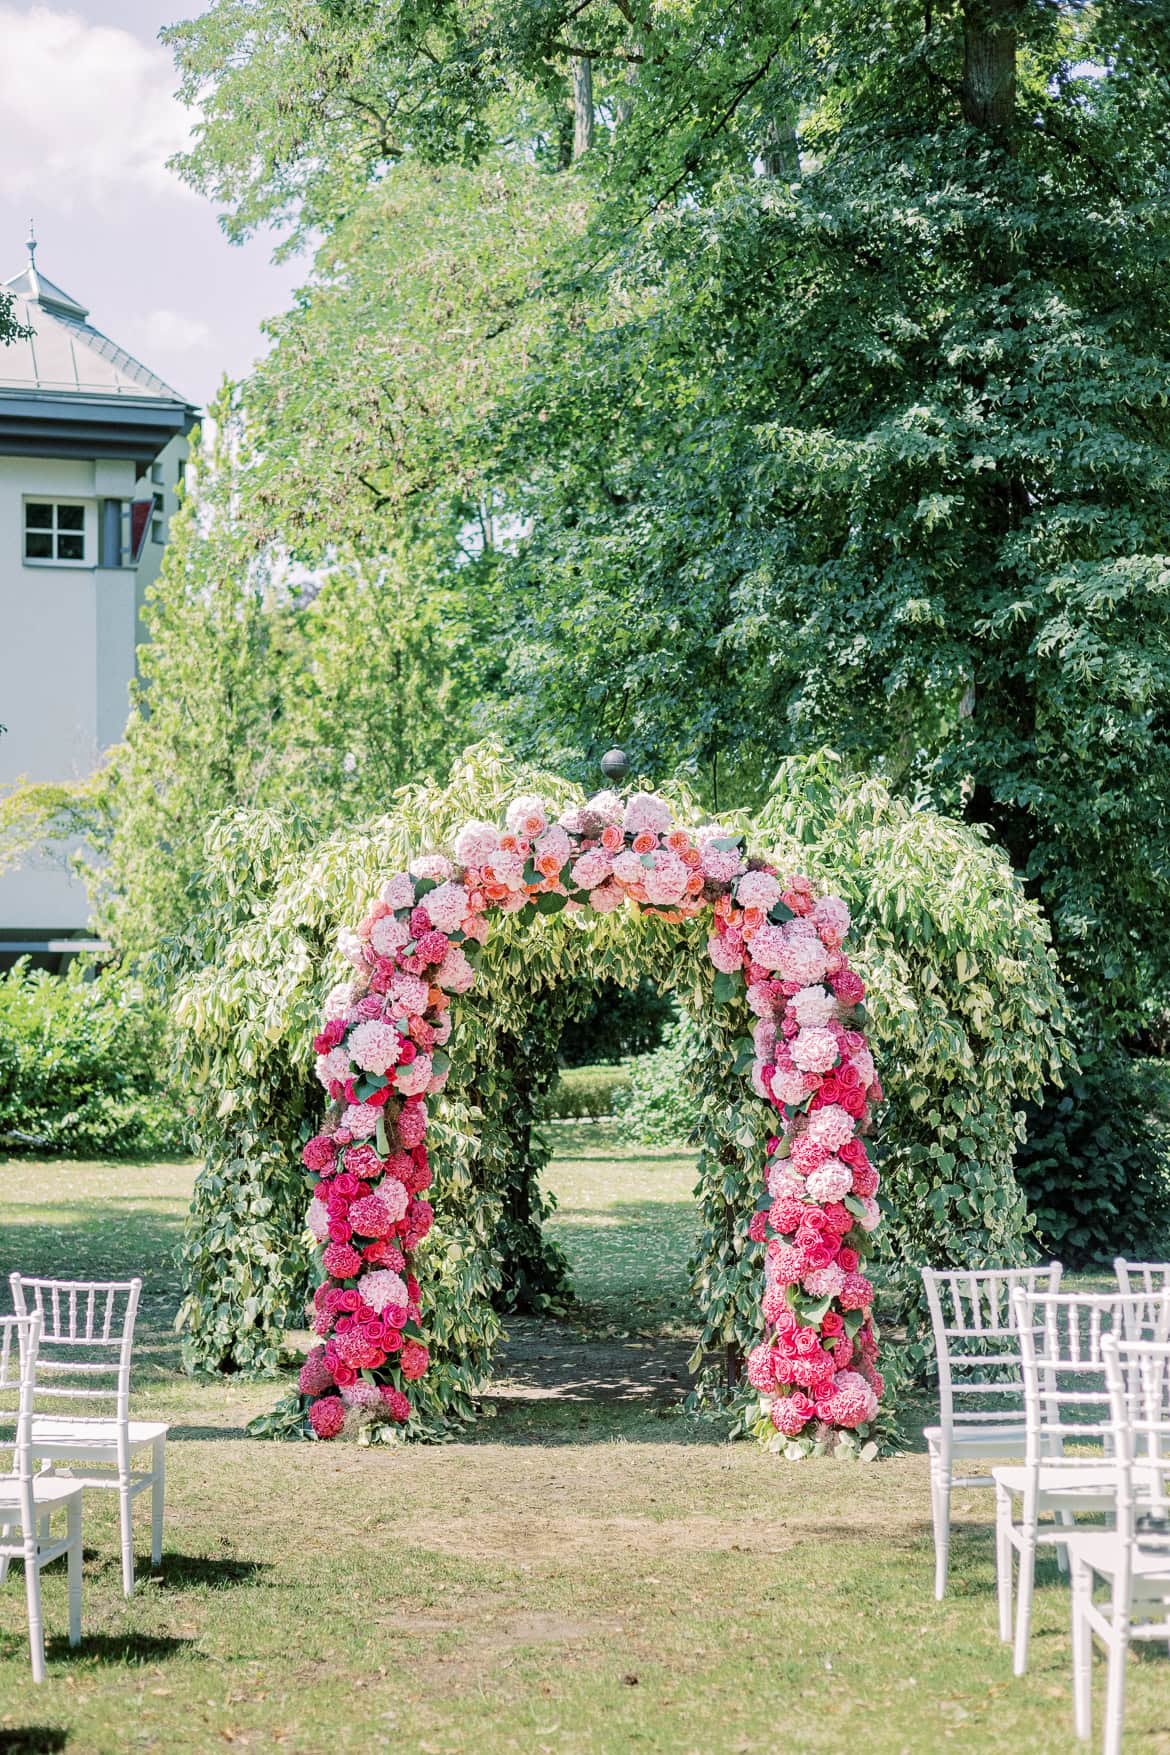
x=68, y=641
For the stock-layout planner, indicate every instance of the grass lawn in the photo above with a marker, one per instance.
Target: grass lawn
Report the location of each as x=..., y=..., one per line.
x=590, y=1572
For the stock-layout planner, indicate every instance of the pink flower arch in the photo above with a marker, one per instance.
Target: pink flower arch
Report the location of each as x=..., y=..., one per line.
x=382, y=1052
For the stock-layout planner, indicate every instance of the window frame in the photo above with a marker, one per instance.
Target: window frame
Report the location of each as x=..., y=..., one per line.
x=88, y=509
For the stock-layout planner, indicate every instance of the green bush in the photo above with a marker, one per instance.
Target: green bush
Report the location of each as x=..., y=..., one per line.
x=657, y=1103
x=78, y=1067
x=619, y=1021
x=1095, y=1167
x=586, y=1093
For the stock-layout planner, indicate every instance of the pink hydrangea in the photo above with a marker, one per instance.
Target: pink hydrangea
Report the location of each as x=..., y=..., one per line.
x=824, y=1282
x=413, y=1360
x=851, y=1403
x=856, y=1293
x=720, y=864
x=394, y=1196
x=768, y=946
x=388, y=935
x=606, y=806
x=371, y=1217
x=361, y=1394
x=351, y=947
x=374, y=1046
x=666, y=880
x=872, y=1216
x=333, y=1068
x=327, y=1416
x=849, y=988
x=398, y=891
x=413, y=1080
x=319, y=1153
x=412, y=1123
x=813, y=1007
x=475, y=843
x=801, y=956
x=592, y=869
x=396, y=1404
x=411, y=993
x=527, y=816
x=647, y=814
x=360, y=1120
x=446, y=907
x=757, y=889
x=761, y=1367
x=317, y=1219
x=341, y=1261
x=606, y=899
x=781, y=1180
x=790, y=1087
x=814, y=1049
x=383, y=1288
x=791, y=1413
x=315, y=1376
x=831, y=1126
x=830, y=1182
x=726, y=955
x=435, y=866
x=455, y=974
x=338, y=1002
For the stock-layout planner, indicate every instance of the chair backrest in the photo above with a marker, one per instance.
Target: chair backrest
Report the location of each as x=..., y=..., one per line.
x=1137, y=1375
x=86, y=1342
x=1066, y=1397
x=1143, y=1282
x=975, y=1339
x=19, y=1341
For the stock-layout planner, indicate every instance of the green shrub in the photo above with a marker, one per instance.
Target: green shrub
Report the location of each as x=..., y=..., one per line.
x=657, y=1104
x=618, y=1022
x=586, y=1093
x=1095, y=1167
x=78, y=1062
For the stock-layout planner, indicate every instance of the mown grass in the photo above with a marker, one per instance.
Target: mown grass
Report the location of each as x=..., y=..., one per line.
x=589, y=1572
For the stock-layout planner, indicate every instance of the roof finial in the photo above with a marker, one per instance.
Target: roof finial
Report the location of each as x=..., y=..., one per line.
x=32, y=246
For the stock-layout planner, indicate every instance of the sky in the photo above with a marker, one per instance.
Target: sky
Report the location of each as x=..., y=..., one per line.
x=88, y=118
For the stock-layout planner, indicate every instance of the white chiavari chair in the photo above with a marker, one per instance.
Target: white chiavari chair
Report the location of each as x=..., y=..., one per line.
x=1133, y=1558
x=981, y=1397
x=28, y=1501
x=1067, y=1469
x=1143, y=1282
x=87, y=1338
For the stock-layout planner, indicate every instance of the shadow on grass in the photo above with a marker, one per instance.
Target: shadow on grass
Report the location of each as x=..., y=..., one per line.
x=32, y=1739
x=205, y=1572
x=118, y=1648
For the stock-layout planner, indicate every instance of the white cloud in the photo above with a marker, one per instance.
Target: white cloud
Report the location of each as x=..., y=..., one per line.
x=173, y=331
x=87, y=113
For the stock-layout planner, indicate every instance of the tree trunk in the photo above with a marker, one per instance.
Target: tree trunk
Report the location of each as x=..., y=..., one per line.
x=780, y=155
x=582, y=71
x=988, y=93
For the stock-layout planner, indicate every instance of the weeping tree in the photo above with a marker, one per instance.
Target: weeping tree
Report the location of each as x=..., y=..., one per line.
x=965, y=1011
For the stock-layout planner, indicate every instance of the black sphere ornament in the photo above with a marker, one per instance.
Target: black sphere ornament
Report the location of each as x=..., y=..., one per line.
x=614, y=765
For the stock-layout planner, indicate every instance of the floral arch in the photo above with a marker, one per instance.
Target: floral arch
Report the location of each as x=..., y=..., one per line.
x=770, y=966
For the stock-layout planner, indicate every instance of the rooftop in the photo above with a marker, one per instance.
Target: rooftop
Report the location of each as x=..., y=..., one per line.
x=65, y=354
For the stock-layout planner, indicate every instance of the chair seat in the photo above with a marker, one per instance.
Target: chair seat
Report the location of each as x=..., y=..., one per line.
x=1071, y=1486
x=89, y=1440
x=48, y=1490
x=1100, y=1550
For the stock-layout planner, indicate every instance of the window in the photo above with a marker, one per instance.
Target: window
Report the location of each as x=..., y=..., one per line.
x=181, y=473
x=54, y=532
x=158, y=510
x=156, y=472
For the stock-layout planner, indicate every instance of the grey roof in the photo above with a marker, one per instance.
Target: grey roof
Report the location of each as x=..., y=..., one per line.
x=65, y=353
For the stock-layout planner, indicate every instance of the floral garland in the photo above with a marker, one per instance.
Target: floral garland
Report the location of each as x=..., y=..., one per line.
x=381, y=1053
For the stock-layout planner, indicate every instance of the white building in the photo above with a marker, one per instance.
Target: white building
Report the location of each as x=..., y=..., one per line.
x=93, y=449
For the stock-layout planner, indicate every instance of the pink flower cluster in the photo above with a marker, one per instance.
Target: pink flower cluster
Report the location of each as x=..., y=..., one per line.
x=381, y=1054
